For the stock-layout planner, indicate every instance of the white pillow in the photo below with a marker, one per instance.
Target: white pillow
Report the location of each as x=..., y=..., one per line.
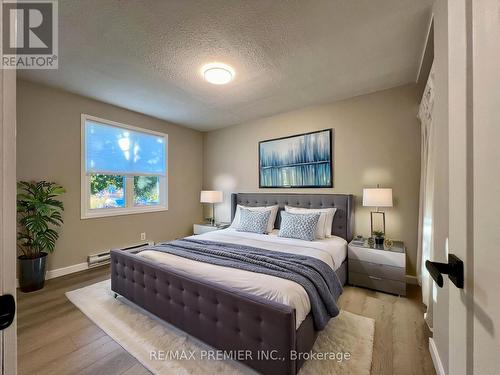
x=324, y=228
x=329, y=220
x=272, y=216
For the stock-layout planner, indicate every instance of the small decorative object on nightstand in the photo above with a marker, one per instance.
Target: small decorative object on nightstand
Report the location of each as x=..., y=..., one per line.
x=378, y=267
x=358, y=240
x=379, y=237
x=388, y=243
x=371, y=242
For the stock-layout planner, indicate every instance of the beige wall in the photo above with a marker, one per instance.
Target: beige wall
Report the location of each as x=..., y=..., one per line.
x=48, y=147
x=377, y=141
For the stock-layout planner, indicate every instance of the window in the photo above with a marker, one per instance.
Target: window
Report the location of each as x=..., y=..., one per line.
x=124, y=169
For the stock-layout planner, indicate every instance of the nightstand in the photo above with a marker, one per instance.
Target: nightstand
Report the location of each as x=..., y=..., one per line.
x=204, y=228
x=378, y=267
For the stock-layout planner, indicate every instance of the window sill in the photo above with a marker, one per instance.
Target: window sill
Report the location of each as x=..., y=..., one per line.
x=121, y=212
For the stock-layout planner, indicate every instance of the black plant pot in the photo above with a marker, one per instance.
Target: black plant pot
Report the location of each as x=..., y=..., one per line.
x=379, y=240
x=32, y=272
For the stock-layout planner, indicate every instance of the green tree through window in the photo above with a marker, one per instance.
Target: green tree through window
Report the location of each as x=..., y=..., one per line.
x=99, y=182
x=146, y=190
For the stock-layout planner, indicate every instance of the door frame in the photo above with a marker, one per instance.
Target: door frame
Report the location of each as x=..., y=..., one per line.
x=8, y=262
x=460, y=203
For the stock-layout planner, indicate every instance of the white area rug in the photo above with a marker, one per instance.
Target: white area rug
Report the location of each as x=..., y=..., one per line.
x=141, y=333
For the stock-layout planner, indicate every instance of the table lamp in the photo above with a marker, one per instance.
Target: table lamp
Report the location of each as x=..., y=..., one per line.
x=211, y=196
x=377, y=197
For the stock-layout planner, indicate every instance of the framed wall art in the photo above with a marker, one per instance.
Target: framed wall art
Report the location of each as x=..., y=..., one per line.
x=297, y=161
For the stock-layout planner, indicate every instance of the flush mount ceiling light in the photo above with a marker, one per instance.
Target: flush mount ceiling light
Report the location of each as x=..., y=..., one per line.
x=217, y=73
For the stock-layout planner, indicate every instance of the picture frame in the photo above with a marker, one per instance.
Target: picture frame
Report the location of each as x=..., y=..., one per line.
x=298, y=161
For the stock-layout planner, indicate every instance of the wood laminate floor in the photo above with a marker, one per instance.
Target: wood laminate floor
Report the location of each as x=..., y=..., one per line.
x=54, y=337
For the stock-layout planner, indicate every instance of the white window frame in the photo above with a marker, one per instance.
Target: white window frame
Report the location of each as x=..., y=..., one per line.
x=86, y=211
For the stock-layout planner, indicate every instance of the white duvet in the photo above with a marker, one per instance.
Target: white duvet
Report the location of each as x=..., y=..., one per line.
x=331, y=250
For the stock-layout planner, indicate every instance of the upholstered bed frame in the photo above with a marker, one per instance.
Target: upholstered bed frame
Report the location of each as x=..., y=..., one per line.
x=225, y=318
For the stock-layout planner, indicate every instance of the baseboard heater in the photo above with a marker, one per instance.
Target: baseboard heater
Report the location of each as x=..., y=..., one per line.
x=100, y=259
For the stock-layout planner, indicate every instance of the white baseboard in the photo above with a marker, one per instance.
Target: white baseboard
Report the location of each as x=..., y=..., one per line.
x=410, y=279
x=58, y=272
x=428, y=319
x=438, y=365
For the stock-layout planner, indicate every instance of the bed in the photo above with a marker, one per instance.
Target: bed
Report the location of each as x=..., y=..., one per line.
x=231, y=318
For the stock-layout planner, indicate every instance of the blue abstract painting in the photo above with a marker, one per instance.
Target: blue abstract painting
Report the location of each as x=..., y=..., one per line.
x=303, y=160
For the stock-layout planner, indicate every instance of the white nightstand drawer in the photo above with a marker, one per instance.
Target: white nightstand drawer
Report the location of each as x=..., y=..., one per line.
x=204, y=228
x=389, y=258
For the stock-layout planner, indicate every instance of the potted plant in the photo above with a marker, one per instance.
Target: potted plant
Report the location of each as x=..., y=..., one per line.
x=379, y=237
x=38, y=213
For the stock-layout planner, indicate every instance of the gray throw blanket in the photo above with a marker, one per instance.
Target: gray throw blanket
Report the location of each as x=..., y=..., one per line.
x=316, y=277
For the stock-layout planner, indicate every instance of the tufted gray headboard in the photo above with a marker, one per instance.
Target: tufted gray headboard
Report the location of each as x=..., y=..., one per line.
x=343, y=222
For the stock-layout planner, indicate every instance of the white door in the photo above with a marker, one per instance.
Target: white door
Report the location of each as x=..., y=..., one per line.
x=8, y=340
x=474, y=184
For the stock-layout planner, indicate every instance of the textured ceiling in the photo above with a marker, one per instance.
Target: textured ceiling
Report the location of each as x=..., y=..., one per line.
x=146, y=55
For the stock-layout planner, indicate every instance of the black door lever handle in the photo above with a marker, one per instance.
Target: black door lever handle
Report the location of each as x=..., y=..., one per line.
x=454, y=269
x=7, y=310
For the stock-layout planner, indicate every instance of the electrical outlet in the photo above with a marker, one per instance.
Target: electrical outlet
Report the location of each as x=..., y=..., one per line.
x=143, y=236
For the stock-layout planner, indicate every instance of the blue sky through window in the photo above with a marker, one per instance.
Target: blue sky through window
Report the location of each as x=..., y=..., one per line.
x=115, y=150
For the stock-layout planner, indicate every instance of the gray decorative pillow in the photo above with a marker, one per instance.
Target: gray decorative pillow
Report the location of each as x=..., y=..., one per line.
x=300, y=226
x=253, y=221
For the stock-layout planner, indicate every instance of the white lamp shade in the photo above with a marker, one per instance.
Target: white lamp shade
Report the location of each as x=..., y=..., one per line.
x=211, y=196
x=377, y=197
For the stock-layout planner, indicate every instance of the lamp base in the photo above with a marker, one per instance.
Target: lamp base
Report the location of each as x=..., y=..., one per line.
x=380, y=226
x=210, y=221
